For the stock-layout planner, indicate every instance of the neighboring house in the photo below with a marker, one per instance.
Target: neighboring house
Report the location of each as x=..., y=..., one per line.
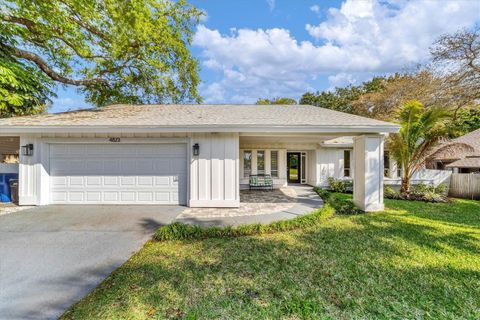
x=9, y=147
x=462, y=155
x=195, y=155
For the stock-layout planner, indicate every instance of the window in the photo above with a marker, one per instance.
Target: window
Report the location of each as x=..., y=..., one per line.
x=247, y=163
x=303, y=171
x=274, y=164
x=346, y=163
x=261, y=162
x=386, y=164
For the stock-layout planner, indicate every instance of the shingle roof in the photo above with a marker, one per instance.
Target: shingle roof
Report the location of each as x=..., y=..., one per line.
x=461, y=147
x=472, y=139
x=473, y=162
x=198, y=115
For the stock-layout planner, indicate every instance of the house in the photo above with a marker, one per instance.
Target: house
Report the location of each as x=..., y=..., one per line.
x=462, y=155
x=194, y=155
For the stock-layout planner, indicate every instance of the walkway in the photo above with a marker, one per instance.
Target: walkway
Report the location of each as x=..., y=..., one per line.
x=257, y=206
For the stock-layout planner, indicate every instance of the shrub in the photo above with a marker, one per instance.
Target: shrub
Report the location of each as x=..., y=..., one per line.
x=340, y=185
x=344, y=206
x=323, y=193
x=389, y=193
x=181, y=231
x=340, y=205
x=429, y=193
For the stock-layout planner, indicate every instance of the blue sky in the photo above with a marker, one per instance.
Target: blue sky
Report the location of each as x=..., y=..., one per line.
x=266, y=48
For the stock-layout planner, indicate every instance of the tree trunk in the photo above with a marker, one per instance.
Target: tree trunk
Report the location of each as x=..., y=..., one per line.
x=405, y=188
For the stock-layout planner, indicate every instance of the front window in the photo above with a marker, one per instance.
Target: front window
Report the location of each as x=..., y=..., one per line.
x=346, y=163
x=386, y=164
x=247, y=163
x=261, y=162
x=274, y=164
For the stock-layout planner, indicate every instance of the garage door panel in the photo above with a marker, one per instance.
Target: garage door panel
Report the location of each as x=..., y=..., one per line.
x=110, y=196
x=162, y=181
x=93, y=181
x=76, y=196
x=128, y=181
x=145, y=181
x=146, y=174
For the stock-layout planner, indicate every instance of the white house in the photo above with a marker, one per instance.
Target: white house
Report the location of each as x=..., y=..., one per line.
x=194, y=155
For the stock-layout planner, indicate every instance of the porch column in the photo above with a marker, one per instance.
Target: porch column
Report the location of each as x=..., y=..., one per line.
x=368, y=173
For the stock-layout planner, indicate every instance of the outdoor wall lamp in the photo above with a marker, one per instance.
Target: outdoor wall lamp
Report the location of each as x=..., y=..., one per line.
x=27, y=150
x=196, y=150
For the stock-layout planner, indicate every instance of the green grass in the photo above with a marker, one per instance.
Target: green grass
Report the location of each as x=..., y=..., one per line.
x=415, y=260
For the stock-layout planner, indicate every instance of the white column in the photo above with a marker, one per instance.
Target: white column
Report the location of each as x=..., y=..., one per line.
x=368, y=173
x=393, y=168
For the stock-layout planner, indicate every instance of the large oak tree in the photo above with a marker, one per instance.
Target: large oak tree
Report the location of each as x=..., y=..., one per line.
x=134, y=51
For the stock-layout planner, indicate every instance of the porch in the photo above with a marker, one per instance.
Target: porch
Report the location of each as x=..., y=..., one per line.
x=259, y=206
x=310, y=159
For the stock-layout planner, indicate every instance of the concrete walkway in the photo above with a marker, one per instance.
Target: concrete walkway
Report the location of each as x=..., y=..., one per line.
x=296, y=201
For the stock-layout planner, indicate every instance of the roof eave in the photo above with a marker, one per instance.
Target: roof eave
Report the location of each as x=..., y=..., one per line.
x=201, y=128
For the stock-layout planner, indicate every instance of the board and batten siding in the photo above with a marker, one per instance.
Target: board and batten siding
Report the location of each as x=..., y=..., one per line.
x=329, y=163
x=214, y=174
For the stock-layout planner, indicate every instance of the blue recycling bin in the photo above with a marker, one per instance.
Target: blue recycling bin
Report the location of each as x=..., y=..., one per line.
x=5, y=194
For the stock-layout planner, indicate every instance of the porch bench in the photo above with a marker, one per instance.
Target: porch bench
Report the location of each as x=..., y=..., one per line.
x=258, y=181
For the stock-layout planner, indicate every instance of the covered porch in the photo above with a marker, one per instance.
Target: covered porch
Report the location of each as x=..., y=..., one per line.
x=310, y=159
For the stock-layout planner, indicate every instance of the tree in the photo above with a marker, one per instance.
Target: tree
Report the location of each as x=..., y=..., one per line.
x=466, y=120
x=456, y=59
x=393, y=92
x=420, y=130
x=113, y=51
x=342, y=99
x=278, y=100
x=23, y=90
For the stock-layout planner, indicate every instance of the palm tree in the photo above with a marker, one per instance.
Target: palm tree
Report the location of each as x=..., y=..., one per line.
x=420, y=130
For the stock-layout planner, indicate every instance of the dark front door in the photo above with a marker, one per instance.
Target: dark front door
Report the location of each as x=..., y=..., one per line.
x=293, y=167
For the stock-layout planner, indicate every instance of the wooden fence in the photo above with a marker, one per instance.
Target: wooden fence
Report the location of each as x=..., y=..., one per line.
x=465, y=185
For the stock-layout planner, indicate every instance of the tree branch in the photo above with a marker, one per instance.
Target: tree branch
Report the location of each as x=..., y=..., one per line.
x=19, y=53
x=33, y=28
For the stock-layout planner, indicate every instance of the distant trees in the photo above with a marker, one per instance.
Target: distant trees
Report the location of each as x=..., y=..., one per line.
x=451, y=83
x=343, y=99
x=279, y=100
x=456, y=60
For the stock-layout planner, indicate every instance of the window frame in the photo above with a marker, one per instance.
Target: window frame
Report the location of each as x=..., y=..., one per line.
x=247, y=171
x=261, y=171
x=347, y=171
x=274, y=175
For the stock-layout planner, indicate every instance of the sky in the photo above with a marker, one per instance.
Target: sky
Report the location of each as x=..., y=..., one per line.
x=250, y=49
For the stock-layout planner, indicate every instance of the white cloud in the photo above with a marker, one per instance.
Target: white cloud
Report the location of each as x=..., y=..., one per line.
x=358, y=39
x=271, y=4
x=315, y=8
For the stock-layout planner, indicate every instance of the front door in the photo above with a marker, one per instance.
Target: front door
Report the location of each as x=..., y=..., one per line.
x=293, y=167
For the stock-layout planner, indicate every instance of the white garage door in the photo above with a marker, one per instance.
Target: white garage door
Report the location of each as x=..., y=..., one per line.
x=118, y=173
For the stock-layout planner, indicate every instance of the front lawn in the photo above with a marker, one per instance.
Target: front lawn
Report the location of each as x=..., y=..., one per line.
x=414, y=260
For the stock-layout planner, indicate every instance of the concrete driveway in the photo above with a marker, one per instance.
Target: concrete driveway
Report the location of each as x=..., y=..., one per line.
x=52, y=256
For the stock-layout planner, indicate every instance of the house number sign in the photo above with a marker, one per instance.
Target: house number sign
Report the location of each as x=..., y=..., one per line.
x=114, y=139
